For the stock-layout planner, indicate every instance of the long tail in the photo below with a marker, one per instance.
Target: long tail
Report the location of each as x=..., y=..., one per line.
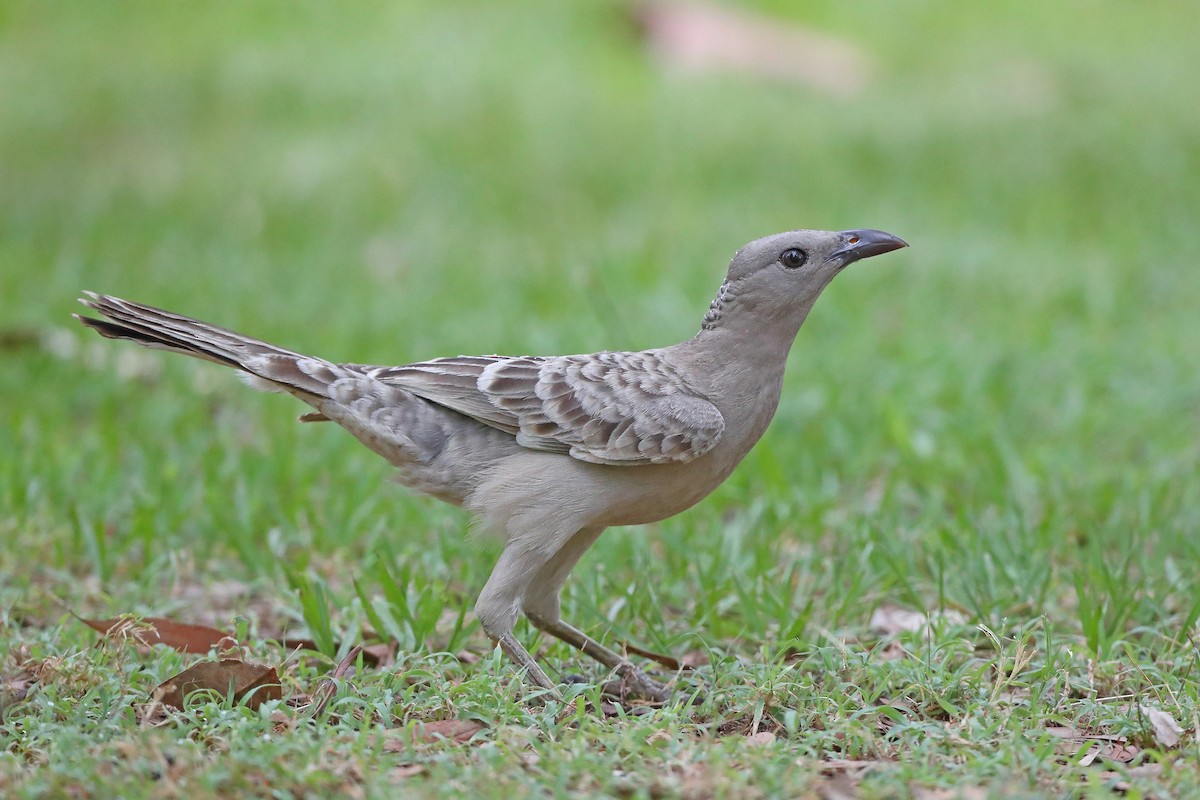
x=268, y=367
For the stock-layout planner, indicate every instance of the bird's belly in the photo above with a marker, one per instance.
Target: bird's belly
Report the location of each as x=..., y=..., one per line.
x=656, y=492
x=653, y=493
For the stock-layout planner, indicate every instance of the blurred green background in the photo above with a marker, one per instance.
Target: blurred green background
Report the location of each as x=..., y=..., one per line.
x=1001, y=421
x=989, y=420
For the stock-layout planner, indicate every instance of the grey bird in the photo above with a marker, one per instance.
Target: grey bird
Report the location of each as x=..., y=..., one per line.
x=547, y=452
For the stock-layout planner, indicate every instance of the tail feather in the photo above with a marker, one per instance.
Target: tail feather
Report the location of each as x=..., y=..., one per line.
x=156, y=328
x=146, y=338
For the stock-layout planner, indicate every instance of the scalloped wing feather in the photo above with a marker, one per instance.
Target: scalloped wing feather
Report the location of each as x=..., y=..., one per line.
x=604, y=408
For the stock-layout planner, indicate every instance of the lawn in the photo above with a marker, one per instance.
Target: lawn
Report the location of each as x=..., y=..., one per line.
x=962, y=561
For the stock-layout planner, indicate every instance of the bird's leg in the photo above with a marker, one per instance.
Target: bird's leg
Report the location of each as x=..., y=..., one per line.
x=534, y=673
x=540, y=603
x=498, y=606
x=633, y=682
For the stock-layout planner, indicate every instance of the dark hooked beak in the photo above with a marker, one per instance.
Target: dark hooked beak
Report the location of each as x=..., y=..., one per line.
x=866, y=243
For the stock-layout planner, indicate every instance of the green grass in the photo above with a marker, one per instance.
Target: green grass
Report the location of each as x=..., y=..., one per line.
x=1000, y=422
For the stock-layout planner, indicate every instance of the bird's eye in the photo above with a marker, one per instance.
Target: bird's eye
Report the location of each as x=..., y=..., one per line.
x=793, y=259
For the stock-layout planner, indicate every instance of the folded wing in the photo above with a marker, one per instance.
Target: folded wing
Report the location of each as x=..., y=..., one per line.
x=605, y=408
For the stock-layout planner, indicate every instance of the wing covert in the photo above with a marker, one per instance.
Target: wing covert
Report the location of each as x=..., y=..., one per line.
x=606, y=408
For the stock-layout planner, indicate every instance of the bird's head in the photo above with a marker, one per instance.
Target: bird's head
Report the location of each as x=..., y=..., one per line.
x=797, y=261
x=780, y=277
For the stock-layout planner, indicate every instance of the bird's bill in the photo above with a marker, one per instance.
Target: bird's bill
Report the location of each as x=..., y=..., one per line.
x=866, y=243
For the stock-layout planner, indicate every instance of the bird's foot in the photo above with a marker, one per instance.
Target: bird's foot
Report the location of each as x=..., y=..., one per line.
x=633, y=684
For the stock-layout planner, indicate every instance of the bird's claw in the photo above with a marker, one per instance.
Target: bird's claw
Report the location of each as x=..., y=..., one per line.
x=633, y=684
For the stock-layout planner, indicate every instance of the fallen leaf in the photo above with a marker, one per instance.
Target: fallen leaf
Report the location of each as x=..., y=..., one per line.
x=835, y=766
x=454, y=730
x=695, y=780
x=1099, y=746
x=403, y=771
x=1110, y=751
x=892, y=650
x=252, y=682
x=1121, y=782
x=157, y=630
x=379, y=655
x=457, y=730
x=694, y=659
x=761, y=739
x=14, y=690
x=1063, y=732
x=659, y=736
x=152, y=714
x=957, y=793
x=839, y=786
x=1166, y=730
x=281, y=721
x=188, y=638
x=744, y=725
x=697, y=37
x=890, y=620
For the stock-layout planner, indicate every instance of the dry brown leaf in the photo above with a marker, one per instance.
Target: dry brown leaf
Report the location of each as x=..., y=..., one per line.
x=697, y=37
x=1110, y=751
x=1063, y=732
x=403, y=771
x=1102, y=746
x=282, y=722
x=254, y=683
x=1121, y=781
x=1166, y=730
x=659, y=736
x=891, y=651
x=379, y=655
x=957, y=793
x=839, y=786
x=747, y=725
x=151, y=714
x=694, y=659
x=188, y=638
x=889, y=620
x=14, y=690
x=157, y=630
x=835, y=766
x=695, y=782
x=761, y=739
x=454, y=730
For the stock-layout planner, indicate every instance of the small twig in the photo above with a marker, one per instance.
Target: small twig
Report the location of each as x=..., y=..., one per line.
x=670, y=662
x=328, y=688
